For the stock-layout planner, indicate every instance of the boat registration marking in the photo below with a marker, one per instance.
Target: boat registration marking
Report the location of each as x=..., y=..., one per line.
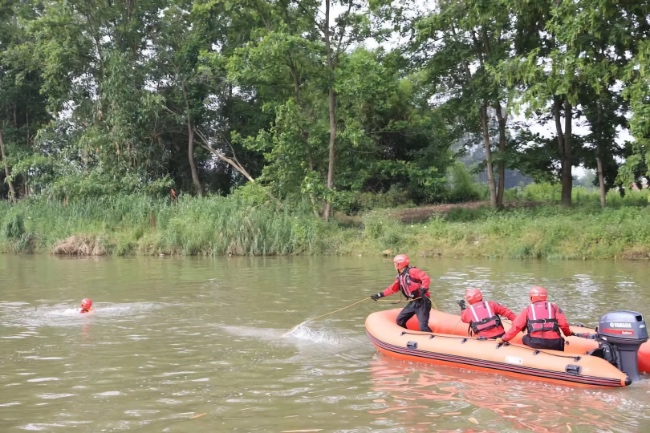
x=514, y=360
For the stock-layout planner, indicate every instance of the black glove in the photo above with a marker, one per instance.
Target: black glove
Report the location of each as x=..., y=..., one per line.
x=377, y=296
x=461, y=304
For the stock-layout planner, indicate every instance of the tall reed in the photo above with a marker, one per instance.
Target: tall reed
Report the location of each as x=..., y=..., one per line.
x=138, y=223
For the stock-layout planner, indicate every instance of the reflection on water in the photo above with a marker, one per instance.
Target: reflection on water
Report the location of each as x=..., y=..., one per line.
x=456, y=396
x=270, y=345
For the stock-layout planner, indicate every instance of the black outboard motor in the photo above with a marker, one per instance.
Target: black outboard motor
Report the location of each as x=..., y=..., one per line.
x=620, y=334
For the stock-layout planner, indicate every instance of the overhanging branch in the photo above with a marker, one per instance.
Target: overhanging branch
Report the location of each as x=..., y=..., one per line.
x=233, y=162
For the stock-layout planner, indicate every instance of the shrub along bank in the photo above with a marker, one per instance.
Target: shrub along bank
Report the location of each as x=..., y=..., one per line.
x=126, y=225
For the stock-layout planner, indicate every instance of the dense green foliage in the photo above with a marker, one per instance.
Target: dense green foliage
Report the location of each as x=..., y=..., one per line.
x=99, y=98
x=174, y=114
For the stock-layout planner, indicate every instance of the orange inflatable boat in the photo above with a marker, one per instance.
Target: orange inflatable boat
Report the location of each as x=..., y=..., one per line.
x=449, y=344
x=451, y=324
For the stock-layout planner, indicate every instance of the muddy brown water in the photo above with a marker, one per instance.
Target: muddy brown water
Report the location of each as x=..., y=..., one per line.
x=199, y=345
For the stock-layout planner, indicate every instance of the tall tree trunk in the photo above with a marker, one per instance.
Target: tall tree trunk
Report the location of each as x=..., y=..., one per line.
x=601, y=181
x=332, y=108
x=190, y=156
x=12, y=191
x=27, y=138
x=564, y=144
x=502, y=150
x=567, y=155
x=488, y=155
x=190, y=144
x=599, y=161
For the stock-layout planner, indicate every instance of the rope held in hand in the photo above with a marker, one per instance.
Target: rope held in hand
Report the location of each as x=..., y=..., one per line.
x=348, y=306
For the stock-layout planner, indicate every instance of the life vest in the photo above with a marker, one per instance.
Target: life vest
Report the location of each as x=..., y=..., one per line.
x=541, y=317
x=407, y=284
x=483, y=318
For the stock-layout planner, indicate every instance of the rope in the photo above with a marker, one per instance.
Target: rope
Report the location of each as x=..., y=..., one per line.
x=322, y=315
x=335, y=311
x=459, y=337
x=341, y=309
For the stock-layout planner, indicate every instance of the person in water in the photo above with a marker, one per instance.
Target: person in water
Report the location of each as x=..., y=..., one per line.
x=414, y=284
x=483, y=316
x=543, y=321
x=86, y=306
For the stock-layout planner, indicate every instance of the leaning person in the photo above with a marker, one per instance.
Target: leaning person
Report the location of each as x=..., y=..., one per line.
x=543, y=321
x=483, y=316
x=414, y=284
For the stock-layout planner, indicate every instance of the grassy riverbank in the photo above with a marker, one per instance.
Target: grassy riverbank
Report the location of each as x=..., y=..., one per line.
x=128, y=225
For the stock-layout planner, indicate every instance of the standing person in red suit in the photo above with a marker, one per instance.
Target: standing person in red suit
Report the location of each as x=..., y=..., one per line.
x=414, y=284
x=543, y=320
x=483, y=316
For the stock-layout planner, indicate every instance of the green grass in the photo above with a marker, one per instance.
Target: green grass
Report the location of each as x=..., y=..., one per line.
x=140, y=224
x=544, y=231
x=257, y=225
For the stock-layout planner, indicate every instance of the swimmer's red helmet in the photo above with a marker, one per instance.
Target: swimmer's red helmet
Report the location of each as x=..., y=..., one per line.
x=86, y=304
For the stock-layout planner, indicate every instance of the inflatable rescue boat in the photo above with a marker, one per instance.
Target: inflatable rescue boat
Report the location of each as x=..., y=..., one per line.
x=450, y=344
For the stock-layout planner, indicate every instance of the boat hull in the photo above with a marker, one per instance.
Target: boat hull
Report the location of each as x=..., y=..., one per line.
x=446, y=323
x=453, y=347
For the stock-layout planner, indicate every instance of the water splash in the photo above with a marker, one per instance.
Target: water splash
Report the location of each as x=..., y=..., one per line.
x=63, y=315
x=321, y=336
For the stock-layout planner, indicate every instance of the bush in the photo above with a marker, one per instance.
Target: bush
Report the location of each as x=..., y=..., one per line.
x=461, y=184
x=15, y=226
x=355, y=202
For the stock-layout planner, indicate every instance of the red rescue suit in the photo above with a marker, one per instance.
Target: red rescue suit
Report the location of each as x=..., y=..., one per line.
x=409, y=283
x=543, y=320
x=414, y=284
x=483, y=318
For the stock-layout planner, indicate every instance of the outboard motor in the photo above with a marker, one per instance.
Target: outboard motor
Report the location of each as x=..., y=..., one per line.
x=620, y=334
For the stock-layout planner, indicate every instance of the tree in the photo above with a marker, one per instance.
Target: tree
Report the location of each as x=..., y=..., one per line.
x=22, y=105
x=544, y=72
x=94, y=57
x=598, y=38
x=296, y=57
x=178, y=44
x=458, y=44
x=637, y=90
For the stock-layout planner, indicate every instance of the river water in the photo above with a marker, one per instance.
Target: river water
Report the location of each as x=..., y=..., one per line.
x=206, y=345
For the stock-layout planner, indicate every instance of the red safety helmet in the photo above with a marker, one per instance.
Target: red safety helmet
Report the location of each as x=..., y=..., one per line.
x=401, y=261
x=537, y=294
x=473, y=296
x=86, y=304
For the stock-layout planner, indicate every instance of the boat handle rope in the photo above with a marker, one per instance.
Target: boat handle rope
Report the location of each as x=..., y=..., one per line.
x=457, y=337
